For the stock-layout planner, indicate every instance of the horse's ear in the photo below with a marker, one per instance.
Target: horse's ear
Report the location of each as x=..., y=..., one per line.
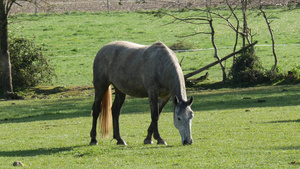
x=175, y=100
x=190, y=101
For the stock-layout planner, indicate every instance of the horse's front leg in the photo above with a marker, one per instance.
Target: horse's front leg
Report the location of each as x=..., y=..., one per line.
x=153, y=128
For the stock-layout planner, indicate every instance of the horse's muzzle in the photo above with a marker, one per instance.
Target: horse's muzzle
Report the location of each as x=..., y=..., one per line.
x=187, y=142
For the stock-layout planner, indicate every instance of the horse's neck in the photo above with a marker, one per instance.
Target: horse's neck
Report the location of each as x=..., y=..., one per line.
x=173, y=75
x=178, y=88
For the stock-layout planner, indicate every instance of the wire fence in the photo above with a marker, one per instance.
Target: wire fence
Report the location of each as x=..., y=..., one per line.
x=61, y=6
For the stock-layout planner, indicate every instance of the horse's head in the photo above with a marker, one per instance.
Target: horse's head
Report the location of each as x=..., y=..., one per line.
x=183, y=115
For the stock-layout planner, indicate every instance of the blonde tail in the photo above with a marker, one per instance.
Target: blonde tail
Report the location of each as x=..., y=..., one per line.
x=105, y=119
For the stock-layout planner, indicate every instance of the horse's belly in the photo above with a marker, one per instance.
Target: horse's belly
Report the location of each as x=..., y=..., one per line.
x=132, y=89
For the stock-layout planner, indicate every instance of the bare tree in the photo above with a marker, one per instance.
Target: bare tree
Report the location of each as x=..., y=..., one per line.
x=236, y=29
x=215, y=47
x=272, y=37
x=5, y=7
x=241, y=28
x=203, y=20
x=221, y=60
x=245, y=24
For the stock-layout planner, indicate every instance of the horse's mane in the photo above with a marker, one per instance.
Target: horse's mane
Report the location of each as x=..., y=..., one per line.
x=172, y=70
x=162, y=52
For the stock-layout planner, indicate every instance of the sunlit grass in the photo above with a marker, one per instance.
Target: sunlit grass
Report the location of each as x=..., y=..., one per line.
x=254, y=127
x=231, y=129
x=71, y=40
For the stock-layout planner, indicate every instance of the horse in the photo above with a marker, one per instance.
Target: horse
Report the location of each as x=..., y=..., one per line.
x=141, y=71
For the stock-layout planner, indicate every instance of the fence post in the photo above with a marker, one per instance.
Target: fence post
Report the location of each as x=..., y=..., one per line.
x=107, y=6
x=35, y=8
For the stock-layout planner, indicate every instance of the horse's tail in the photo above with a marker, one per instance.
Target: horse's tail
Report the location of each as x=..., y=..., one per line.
x=105, y=119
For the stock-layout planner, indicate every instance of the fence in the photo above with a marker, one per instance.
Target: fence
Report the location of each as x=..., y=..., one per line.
x=61, y=6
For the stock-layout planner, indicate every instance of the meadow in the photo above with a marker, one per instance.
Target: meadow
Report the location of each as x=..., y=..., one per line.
x=71, y=40
x=255, y=127
x=232, y=128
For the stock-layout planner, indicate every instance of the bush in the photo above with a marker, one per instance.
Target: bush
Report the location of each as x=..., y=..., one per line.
x=248, y=70
x=28, y=64
x=293, y=76
x=295, y=71
x=181, y=46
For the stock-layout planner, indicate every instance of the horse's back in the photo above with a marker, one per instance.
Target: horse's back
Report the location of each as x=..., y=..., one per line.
x=134, y=68
x=120, y=64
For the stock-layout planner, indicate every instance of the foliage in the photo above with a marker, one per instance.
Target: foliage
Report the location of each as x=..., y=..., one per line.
x=181, y=45
x=292, y=77
x=247, y=69
x=296, y=71
x=29, y=65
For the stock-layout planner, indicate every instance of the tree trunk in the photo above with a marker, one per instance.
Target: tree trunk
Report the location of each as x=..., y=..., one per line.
x=245, y=27
x=216, y=49
x=272, y=38
x=4, y=52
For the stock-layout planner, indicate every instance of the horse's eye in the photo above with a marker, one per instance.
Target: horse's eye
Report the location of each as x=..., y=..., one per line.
x=179, y=119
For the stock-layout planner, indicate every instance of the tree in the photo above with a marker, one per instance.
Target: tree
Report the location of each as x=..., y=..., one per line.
x=5, y=6
x=242, y=31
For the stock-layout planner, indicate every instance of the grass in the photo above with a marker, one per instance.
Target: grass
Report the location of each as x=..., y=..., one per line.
x=71, y=40
x=255, y=127
x=229, y=131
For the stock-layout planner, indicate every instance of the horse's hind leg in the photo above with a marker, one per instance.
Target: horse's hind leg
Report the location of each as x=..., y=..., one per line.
x=99, y=94
x=116, y=111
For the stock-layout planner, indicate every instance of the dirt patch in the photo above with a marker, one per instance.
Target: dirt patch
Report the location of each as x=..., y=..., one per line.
x=61, y=6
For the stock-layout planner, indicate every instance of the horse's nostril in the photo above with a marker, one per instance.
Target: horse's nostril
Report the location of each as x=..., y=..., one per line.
x=185, y=142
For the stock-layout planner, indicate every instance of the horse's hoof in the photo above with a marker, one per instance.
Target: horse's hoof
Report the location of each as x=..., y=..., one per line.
x=93, y=143
x=162, y=142
x=121, y=142
x=148, y=141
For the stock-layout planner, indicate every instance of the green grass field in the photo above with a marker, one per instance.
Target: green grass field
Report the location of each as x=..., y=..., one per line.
x=255, y=127
x=71, y=40
x=229, y=131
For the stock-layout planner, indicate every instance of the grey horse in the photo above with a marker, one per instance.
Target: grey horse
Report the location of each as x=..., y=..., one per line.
x=141, y=71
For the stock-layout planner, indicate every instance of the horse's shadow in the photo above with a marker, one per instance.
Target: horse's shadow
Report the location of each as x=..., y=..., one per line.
x=37, y=152
x=285, y=121
x=293, y=147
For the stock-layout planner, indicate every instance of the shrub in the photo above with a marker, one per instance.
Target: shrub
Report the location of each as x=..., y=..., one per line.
x=181, y=46
x=293, y=76
x=247, y=69
x=296, y=71
x=29, y=66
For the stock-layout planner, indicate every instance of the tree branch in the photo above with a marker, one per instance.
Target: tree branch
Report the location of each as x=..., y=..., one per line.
x=216, y=62
x=188, y=20
x=215, y=48
x=237, y=27
x=272, y=37
x=192, y=34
